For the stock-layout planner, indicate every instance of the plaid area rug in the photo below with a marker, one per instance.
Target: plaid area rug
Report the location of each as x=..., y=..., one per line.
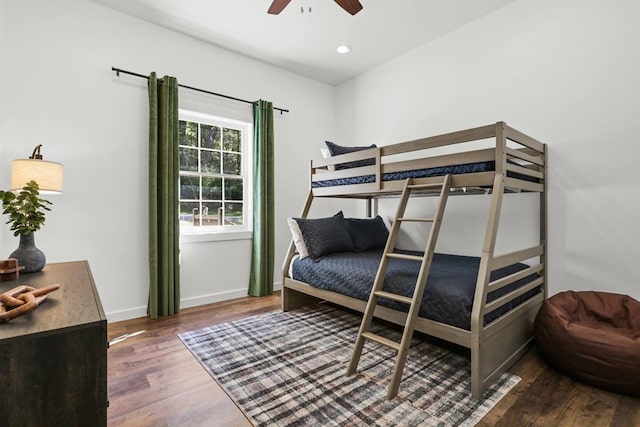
x=288, y=369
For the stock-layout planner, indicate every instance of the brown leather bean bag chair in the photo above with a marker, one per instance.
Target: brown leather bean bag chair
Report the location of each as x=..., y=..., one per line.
x=593, y=337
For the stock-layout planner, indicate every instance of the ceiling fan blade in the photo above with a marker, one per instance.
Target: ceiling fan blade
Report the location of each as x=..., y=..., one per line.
x=277, y=6
x=351, y=6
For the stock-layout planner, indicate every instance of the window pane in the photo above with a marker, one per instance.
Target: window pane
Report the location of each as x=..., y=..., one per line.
x=232, y=189
x=231, y=139
x=188, y=133
x=188, y=159
x=231, y=164
x=210, y=137
x=186, y=212
x=213, y=211
x=211, y=188
x=212, y=207
x=233, y=214
x=210, y=161
x=189, y=188
x=210, y=213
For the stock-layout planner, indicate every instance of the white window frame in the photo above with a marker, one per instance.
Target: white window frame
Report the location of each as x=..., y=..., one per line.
x=225, y=232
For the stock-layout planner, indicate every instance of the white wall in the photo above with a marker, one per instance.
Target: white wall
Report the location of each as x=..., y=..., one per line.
x=59, y=91
x=3, y=164
x=565, y=72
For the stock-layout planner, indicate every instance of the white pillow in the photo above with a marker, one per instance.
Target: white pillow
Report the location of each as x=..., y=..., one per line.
x=325, y=155
x=298, y=241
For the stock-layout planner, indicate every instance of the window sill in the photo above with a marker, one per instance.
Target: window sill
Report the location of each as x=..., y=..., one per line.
x=215, y=236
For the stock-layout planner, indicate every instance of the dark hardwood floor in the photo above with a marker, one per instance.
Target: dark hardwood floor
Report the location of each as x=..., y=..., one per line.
x=155, y=381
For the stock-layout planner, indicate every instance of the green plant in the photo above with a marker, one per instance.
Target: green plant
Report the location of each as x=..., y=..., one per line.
x=26, y=209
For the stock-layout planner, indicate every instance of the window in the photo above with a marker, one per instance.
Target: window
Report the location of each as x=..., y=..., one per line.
x=215, y=174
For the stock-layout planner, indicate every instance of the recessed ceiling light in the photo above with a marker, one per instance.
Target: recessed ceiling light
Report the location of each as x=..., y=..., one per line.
x=343, y=49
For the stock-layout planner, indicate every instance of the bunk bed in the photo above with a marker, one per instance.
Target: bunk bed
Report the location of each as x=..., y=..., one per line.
x=505, y=290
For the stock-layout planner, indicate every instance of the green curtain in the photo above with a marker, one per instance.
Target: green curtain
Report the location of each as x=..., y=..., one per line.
x=261, y=279
x=164, y=231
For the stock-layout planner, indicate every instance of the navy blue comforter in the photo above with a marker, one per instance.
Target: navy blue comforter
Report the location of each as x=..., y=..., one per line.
x=423, y=173
x=448, y=296
x=416, y=173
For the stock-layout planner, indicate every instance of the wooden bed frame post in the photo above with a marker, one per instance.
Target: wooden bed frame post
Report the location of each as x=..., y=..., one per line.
x=291, y=299
x=484, y=272
x=544, y=259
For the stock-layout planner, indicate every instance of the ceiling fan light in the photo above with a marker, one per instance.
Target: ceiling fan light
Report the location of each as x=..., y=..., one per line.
x=343, y=48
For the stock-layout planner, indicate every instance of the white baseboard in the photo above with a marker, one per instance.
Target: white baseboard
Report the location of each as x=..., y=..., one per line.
x=131, y=313
x=134, y=313
x=211, y=298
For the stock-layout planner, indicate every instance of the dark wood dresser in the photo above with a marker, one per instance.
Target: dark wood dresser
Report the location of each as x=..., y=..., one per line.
x=53, y=360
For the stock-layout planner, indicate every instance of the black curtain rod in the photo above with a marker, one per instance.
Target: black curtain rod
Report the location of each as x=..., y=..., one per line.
x=131, y=73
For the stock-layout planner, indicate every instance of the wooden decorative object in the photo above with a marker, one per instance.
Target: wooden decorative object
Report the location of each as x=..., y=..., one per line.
x=9, y=269
x=22, y=299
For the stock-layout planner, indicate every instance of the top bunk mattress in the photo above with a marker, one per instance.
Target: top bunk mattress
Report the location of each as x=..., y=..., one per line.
x=448, y=296
x=416, y=173
x=487, y=166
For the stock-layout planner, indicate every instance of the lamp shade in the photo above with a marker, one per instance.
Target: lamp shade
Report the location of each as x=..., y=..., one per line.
x=47, y=174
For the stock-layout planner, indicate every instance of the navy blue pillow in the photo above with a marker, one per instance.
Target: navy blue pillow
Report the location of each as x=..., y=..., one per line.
x=324, y=236
x=336, y=150
x=367, y=234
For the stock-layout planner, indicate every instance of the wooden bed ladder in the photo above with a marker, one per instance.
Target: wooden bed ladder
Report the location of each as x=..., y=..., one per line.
x=414, y=302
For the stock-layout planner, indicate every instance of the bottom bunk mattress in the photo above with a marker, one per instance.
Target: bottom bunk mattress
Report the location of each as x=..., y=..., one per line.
x=448, y=295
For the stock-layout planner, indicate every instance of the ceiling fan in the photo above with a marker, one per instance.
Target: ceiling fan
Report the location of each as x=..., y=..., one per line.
x=351, y=6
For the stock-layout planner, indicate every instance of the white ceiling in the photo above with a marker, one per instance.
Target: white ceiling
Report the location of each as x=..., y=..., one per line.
x=305, y=43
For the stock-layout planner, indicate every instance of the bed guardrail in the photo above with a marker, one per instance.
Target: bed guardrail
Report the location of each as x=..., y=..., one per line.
x=520, y=158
